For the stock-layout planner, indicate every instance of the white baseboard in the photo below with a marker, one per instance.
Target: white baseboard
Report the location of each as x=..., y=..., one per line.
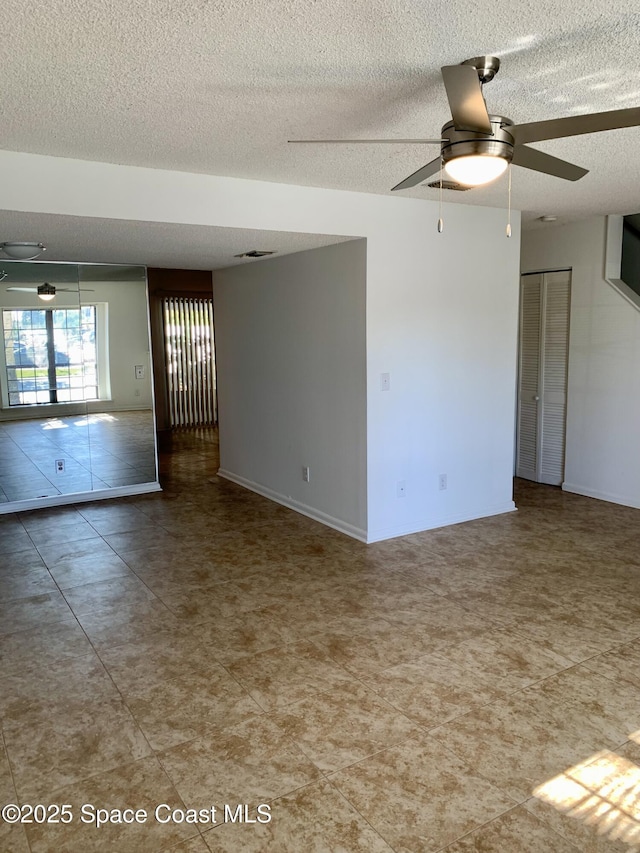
x=329, y=520
x=79, y=497
x=623, y=500
x=446, y=521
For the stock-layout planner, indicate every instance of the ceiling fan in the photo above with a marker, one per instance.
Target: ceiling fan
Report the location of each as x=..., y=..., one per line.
x=476, y=147
x=47, y=291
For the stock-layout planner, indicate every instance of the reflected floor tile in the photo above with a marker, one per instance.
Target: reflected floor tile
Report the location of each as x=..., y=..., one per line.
x=253, y=762
x=139, y=785
x=314, y=819
x=419, y=796
x=515, y=832
x=15, y=540
x=343, y=725
x=287, y=674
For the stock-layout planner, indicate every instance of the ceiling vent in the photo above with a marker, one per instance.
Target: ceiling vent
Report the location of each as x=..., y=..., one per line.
x=448, y=185
x=254, y=253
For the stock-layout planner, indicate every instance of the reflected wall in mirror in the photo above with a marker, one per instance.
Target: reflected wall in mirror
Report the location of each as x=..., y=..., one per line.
x=76, y=416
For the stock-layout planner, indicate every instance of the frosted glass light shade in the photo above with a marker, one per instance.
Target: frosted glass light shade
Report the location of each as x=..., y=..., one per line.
x=22, y=251
x=476, y=169
x=46, y=297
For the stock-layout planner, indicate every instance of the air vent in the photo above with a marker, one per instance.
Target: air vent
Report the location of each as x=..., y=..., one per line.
x=254, y=253
x=448, y=185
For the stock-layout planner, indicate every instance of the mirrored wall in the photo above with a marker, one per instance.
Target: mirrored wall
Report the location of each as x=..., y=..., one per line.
x=76, y=394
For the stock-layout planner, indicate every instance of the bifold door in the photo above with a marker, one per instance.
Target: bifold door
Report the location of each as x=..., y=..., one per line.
x=545, y=300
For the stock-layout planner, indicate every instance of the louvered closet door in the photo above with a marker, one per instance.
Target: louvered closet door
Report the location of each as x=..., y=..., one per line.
x=542, y=397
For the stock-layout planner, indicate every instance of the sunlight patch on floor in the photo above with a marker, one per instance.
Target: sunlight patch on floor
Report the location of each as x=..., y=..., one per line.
x=603, y=791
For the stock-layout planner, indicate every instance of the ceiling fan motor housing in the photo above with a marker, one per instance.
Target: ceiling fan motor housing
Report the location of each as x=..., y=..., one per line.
x=463, y=143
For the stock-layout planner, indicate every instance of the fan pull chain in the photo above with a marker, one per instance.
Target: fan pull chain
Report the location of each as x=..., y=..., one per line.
x=440, y=222
x=509, y=206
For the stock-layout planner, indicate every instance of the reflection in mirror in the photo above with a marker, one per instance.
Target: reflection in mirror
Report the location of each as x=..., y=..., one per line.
x=76, y=412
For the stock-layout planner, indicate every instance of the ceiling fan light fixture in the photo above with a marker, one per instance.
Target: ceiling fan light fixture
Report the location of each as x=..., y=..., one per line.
x=474, y=170
x=22, y=251
x=46, y=292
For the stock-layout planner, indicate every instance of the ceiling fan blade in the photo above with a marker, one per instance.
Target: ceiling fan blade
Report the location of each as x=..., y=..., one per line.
x=540, y=162
x=75, y=290
x=464, y=92
x=421, y=175
x=557, y=128
x=24, y=289
x=366, y=141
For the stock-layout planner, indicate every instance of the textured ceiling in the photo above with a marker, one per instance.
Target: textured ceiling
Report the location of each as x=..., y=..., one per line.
x=218, y=86
x=93, y=240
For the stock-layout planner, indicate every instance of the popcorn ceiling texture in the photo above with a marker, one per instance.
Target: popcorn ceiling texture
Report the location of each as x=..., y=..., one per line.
x=219, y=87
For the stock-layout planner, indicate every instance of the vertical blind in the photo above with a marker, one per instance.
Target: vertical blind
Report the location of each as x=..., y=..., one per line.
x=188, y=331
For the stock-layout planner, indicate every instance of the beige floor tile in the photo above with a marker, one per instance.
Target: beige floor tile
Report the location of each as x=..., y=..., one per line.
x=314, y=819
x=517, y=831
x=152, y=660
x=26, y=584
x=24, y=613
x=621, y=664
x=611, y=708
x=42, y=644
x=126, y=622
x=253, y=762
x=277, y=677
x=183, y=708
x=432, y=690
x=521, y=741
x=78, y=571
x=65, y=551
x=69, y=742
x=194, y=845
x=140, y=785
x=504, y=658
x=343, y=725
x=88, y=597
x=419, y=796
x=595, y=804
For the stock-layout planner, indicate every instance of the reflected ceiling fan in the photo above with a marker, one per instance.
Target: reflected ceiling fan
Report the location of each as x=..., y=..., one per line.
x=47, y=291
x=476, y=147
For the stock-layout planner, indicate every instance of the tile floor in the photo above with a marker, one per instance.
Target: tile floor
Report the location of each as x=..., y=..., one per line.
x=474, y=688
x=99, y=451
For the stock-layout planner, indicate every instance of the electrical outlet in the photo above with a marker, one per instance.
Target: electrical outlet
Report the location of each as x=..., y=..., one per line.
x=139, y=371
x=305, y=473
x=60, y=466
x=402, y=488
x=442, y=482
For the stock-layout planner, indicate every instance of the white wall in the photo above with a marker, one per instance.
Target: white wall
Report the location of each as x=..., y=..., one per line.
x=291, y=361
x=603, y=405
x=441, y=315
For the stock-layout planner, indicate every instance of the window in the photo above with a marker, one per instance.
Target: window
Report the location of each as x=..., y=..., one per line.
x=50, y=355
